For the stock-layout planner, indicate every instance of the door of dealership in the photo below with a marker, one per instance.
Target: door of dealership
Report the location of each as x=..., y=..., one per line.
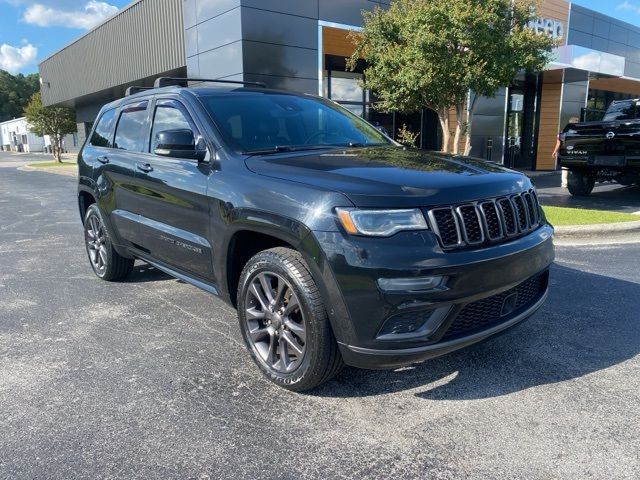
x=521, y=119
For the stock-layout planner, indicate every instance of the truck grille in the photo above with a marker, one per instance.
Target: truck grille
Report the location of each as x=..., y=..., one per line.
x=487, y=221
x=481, y=314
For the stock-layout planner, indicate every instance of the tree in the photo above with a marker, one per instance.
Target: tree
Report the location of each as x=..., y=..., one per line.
x=433, y=53
x=15, y=92
x=53, y=121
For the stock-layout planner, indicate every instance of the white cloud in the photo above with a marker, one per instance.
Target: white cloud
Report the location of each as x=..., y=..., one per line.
x=91, y=14
x=14, y=59
x=626, y=5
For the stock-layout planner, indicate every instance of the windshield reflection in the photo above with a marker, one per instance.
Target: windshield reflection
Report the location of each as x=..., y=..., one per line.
x=256, y=121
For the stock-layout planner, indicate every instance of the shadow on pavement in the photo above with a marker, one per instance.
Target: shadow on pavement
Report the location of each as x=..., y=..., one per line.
x=144, y=272
x=560, y=342
x=608, y=196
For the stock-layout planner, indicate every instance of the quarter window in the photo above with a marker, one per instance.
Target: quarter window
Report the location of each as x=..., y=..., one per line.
x=130, y=129
x=168, y=116
x=102, y=134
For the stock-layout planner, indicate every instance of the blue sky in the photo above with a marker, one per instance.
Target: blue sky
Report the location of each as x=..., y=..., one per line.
x=30, y=30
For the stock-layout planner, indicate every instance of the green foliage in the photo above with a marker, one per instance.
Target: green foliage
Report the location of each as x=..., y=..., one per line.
x=431, y=53
x=53, y=121
x=15, y=92
x=407, y=137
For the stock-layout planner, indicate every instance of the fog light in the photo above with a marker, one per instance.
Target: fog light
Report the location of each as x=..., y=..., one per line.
x=414, y=284
x=413, y=324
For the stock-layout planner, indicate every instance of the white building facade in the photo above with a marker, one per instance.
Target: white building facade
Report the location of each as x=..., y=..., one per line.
x=15, y=136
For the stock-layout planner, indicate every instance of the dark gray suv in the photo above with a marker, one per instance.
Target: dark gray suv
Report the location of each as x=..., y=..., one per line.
x=335, y=244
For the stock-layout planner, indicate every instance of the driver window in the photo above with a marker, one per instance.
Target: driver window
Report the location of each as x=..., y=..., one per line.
x=168, y=117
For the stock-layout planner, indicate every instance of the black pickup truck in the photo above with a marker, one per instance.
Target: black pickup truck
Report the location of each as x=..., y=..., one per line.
x=608, y=150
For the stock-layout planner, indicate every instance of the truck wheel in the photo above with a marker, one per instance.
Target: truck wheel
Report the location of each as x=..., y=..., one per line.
x=284, y=321
x=580, y=183
x=105, y=261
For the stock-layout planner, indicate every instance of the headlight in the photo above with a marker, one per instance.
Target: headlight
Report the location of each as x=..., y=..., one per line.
x=380, y=223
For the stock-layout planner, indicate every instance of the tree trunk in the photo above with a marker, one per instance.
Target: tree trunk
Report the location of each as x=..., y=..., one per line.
x=443, y=116
x=470, y=108
x=56, y=148
x=460, y=121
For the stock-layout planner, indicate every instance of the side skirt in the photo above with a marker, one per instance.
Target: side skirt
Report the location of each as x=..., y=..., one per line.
x=180, y=276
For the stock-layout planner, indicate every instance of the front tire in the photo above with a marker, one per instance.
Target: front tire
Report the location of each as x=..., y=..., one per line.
x=581, y=182
x=284, y=321
x=107, y=264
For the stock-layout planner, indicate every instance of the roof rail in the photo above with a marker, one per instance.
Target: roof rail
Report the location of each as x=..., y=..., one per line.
x=135, y=89
x=167, y=81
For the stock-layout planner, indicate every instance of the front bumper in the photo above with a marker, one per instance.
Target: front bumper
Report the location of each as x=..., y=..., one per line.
x=383, y=359
x=596, y=161
x=356, y=263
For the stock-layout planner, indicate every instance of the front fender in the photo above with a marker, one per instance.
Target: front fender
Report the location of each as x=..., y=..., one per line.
x=300, y=237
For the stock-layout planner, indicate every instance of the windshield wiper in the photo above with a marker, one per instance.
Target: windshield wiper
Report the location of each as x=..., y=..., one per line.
x=286, y=148
x=364, y=145
x=276, y=149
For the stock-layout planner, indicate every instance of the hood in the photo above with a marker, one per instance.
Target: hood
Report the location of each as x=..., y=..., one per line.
x=392, y=176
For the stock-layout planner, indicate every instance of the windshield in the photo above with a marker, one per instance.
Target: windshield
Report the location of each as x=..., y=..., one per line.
x=255, y=122
x=627, y=110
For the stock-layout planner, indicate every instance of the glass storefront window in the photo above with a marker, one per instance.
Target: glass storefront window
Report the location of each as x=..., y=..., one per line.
x=345, y=87
x=355, y=109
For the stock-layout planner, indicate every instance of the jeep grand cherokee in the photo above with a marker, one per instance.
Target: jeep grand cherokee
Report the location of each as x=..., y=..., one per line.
x=335, y=244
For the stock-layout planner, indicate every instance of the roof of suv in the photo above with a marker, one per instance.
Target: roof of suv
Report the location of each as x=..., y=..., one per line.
x=201, y=91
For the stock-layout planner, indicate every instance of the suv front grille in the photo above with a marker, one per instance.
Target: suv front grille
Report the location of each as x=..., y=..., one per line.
x=481, y=314
x=488, y=221
x=448, y=230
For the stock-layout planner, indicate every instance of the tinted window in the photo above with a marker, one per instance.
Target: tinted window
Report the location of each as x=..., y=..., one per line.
x=258, y=121
x=168, y=116
x=102, y=135
x=627, y=110
x=130, y=129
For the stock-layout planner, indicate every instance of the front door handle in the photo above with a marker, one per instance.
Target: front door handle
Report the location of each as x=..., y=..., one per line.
x=144, y=167
x=103, y=160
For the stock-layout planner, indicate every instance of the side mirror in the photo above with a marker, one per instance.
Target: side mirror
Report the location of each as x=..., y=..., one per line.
x=178, y=144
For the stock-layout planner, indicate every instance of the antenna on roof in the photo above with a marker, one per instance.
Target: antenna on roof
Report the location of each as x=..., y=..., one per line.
x=168, y=81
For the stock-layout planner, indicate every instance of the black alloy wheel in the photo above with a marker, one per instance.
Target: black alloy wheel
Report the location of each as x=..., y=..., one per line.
x=105, y=260
x=275, y=323
x=284, y=321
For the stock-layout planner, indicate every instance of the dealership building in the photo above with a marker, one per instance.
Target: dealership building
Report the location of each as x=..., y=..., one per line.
x=302, y=45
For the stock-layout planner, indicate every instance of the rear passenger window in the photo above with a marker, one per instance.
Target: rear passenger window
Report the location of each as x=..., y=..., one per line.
x=102, y=134
x=168, y=116
x=130, y=130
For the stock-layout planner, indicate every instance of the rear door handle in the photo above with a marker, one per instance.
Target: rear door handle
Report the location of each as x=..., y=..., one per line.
x=145, y=167
x=103, y=160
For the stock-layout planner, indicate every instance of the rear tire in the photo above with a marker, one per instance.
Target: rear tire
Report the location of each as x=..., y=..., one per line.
x=107, y=264
x=581, y=182
x=284, y=321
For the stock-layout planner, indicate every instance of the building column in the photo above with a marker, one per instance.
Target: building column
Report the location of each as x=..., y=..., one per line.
x=549, y=125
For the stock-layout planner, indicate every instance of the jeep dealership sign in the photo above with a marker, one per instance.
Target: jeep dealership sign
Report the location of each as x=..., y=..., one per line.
x=547, y=26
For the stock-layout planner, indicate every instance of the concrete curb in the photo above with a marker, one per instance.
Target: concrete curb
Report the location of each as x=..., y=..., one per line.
x=572, y=231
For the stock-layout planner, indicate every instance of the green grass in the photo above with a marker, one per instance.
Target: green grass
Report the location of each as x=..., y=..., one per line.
x=577, y=216
x=51, y=164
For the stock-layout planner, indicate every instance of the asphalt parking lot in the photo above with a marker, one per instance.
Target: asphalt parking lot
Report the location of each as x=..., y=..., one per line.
x=605, y=196
x=149, y=378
